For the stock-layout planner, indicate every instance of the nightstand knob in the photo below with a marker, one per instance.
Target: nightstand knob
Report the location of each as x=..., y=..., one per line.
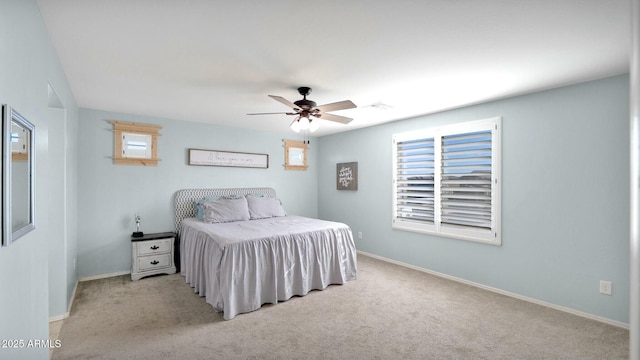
x=155, y=247
x=154, y=262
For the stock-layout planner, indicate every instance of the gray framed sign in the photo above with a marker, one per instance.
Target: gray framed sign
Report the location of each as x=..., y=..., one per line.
x=227, y=158
x=347, y=176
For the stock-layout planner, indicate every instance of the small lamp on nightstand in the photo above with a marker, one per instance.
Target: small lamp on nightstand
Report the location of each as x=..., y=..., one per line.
x=137, y=233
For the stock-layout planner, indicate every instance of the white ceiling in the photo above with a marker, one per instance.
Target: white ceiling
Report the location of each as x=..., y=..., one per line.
x=215, y=61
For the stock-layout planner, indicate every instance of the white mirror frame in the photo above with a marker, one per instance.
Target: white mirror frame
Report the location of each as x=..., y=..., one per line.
x=8, y=234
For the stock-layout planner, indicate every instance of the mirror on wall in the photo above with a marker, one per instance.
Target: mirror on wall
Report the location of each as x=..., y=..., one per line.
x=17, y=175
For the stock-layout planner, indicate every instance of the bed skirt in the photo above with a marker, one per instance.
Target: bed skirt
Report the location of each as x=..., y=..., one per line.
x=294, y=255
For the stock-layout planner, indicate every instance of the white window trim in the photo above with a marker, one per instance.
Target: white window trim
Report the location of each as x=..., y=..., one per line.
x=137, y=145
x=492, y=236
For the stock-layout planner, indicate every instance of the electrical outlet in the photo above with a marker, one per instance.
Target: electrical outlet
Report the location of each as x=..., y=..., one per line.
x=360, y=235
x=605, y=287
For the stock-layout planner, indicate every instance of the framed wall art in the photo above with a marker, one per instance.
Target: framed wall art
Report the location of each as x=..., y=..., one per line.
x=347, y=176
x=227, y=158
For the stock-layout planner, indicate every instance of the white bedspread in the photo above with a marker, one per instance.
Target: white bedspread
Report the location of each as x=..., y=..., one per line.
x=239, y=266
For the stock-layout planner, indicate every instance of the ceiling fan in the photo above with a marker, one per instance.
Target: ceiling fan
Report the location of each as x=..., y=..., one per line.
x=306, y=110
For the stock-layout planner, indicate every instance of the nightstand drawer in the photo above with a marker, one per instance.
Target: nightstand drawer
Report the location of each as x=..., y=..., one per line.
x=154, y=262
x=154, y=247
x=152, y=254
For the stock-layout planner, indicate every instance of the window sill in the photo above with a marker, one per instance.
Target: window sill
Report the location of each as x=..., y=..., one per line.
x=483, y=237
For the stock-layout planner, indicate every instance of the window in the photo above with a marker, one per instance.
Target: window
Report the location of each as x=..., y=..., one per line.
x=446, y=181
x=135, y=144
x=295, y=155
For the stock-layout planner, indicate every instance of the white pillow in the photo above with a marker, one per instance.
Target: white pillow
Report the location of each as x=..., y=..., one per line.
x=225, y=210
x=264, y=207
x=199, y=208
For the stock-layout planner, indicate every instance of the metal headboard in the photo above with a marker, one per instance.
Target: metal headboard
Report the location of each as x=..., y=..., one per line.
x=185, y=200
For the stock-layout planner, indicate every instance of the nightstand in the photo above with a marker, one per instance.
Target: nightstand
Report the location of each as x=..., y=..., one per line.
x=152, y=254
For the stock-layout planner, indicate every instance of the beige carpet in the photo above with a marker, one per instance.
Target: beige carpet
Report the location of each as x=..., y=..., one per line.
x=389, y=312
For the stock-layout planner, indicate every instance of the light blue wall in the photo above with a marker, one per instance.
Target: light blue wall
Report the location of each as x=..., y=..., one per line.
x=111, y=194
x=62, y=193
x=565, y=190
x=565, y=176
x=28, y=64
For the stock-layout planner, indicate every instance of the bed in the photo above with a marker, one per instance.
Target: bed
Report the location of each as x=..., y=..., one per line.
x=240, y=265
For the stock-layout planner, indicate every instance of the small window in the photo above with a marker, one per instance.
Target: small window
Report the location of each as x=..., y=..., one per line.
x=446, y=181
x=135, y=144
x=295, y=155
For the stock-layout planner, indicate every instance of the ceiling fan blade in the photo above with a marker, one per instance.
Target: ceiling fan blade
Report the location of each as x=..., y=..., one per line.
x=336, y=118
x=285, y=101
x=340, y=105
x=274, y=113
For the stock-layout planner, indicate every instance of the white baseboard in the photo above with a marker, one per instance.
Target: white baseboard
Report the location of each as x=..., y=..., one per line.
x=104, y=276
x=75, y=288
x=59, y=317
x=502, y=292
x=66, y=315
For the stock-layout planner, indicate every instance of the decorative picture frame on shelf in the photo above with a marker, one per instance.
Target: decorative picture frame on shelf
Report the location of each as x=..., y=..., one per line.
x=347, y=176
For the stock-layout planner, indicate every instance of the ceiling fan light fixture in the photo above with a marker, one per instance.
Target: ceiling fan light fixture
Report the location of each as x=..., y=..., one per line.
x=295, y=125
x=313, y=125
x=304, y=122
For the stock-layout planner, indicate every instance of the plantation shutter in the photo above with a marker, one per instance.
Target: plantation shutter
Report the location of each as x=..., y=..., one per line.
x=415, y=180
x=136, y=145
x=466, y=180
x=446, y=181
